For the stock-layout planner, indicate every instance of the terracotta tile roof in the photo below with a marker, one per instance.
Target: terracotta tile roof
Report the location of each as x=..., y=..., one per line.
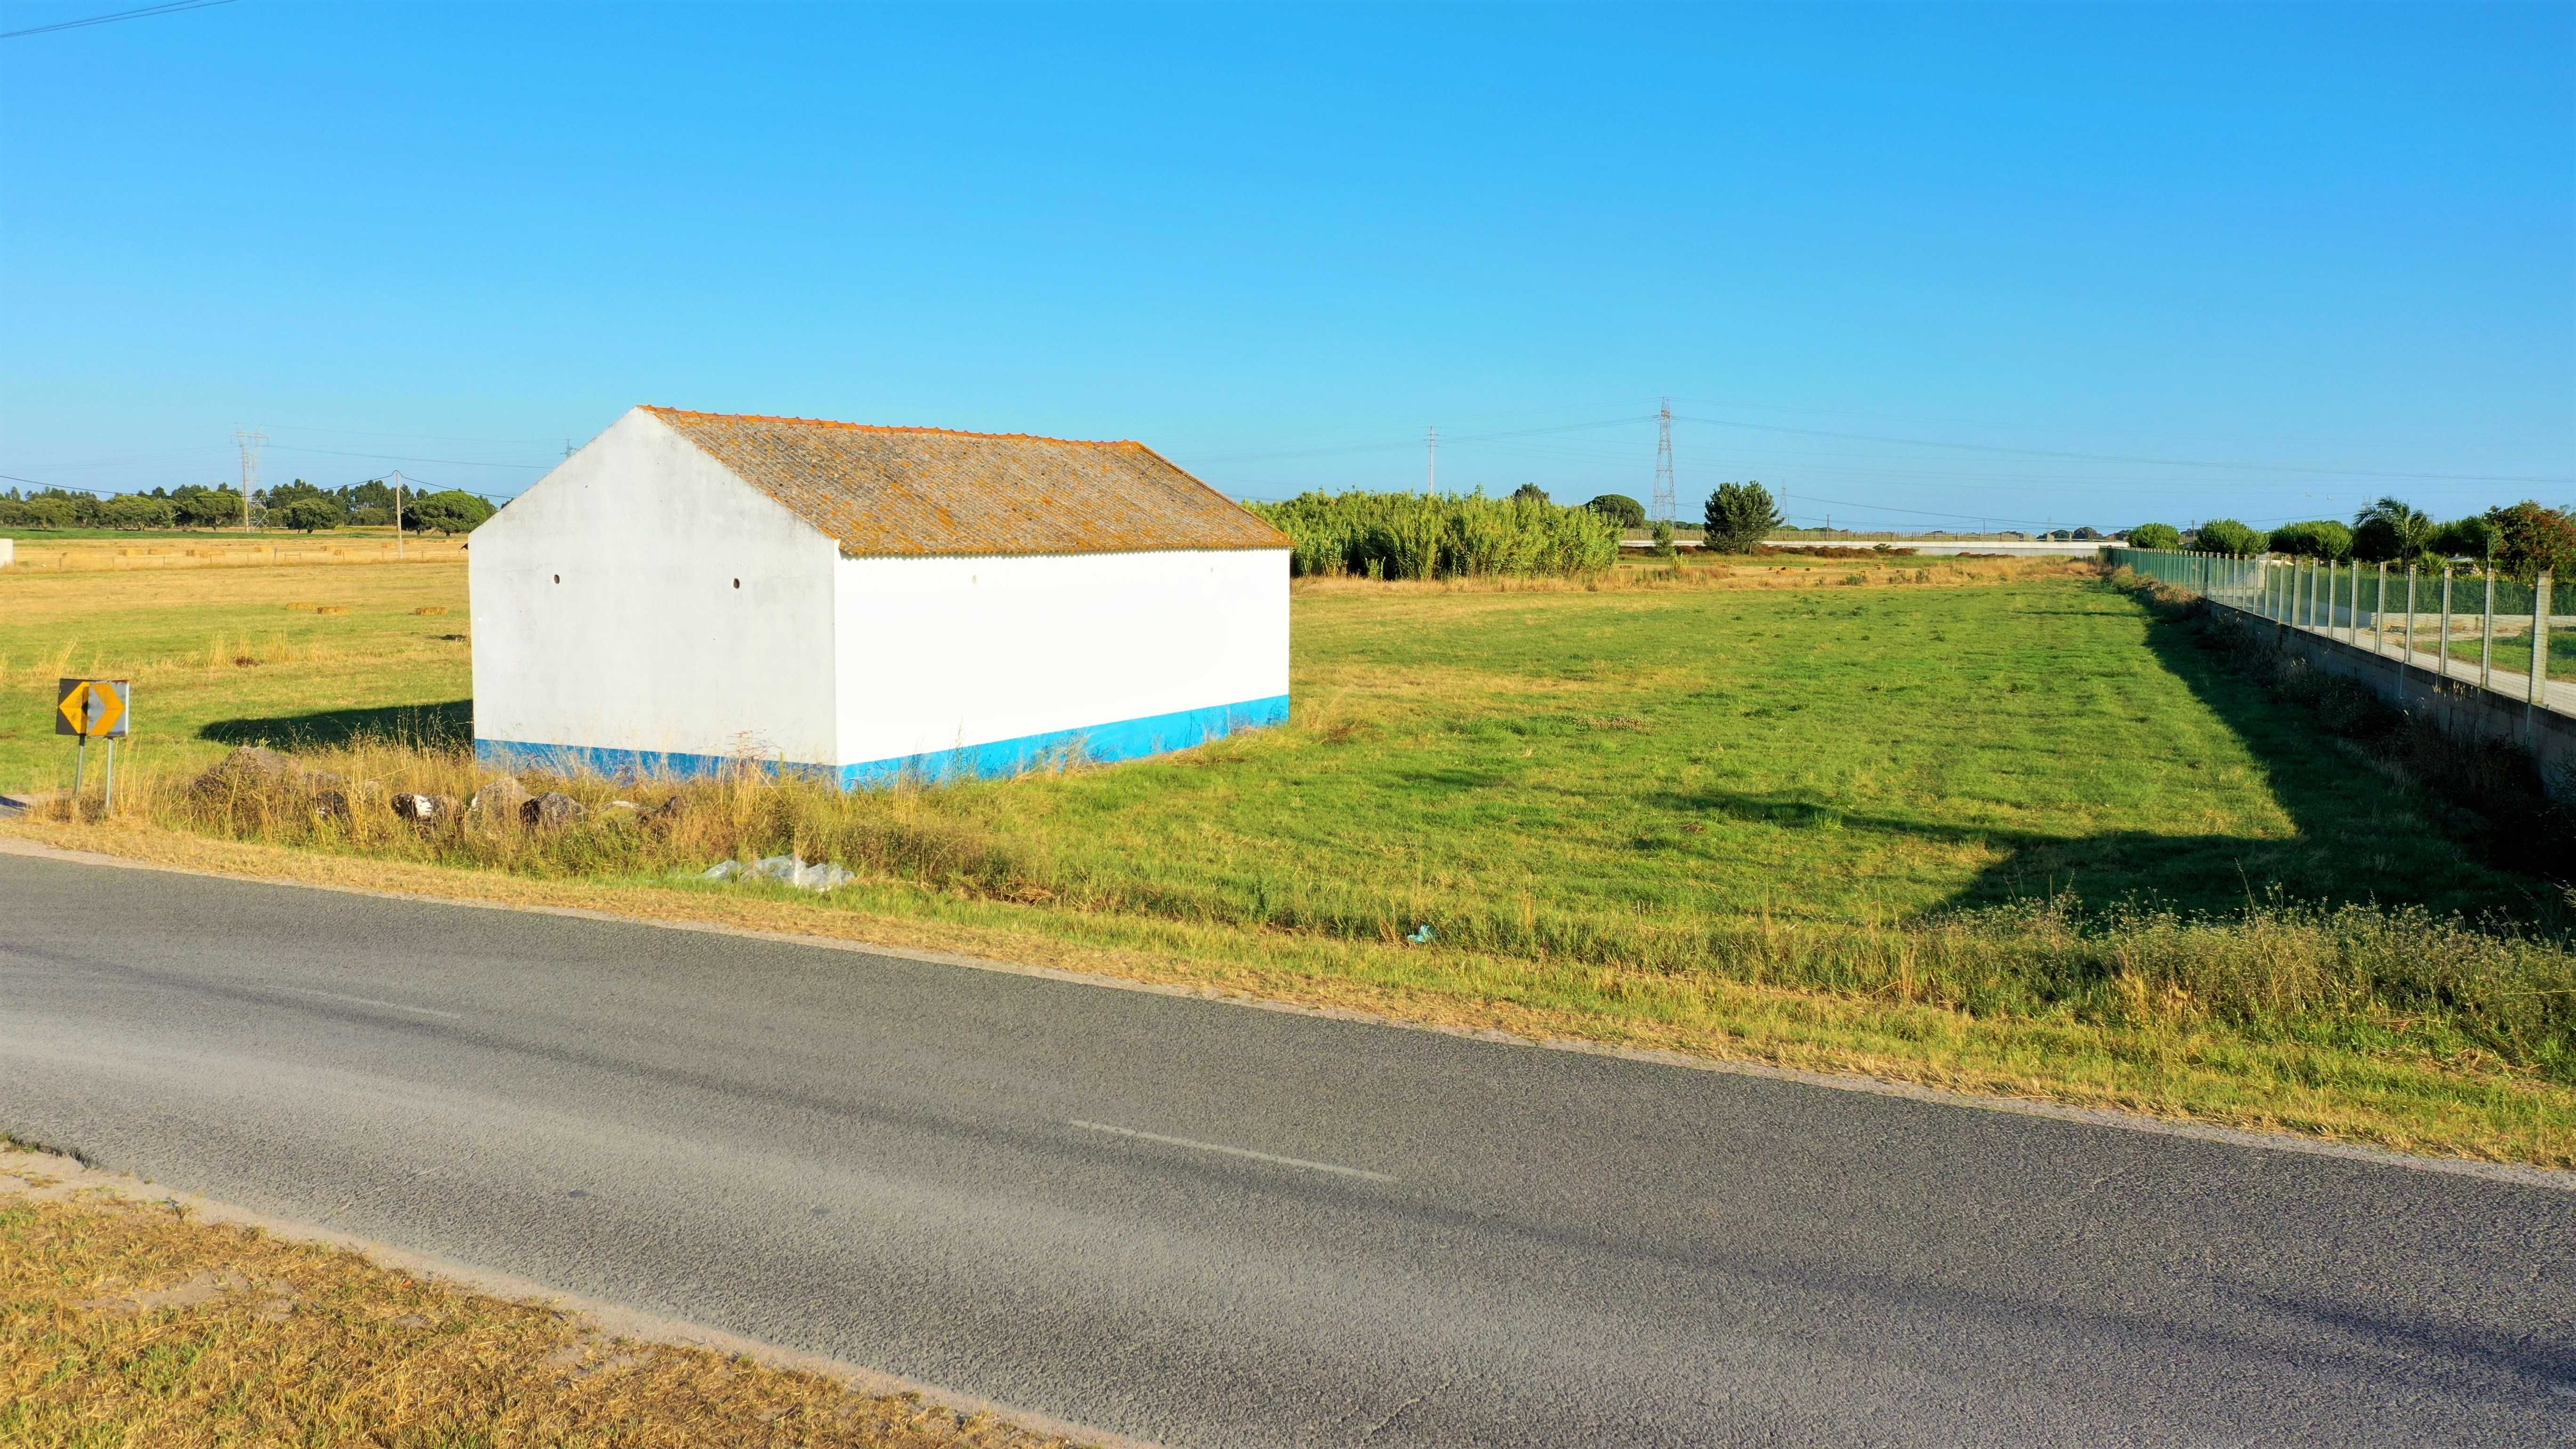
x=922, y=491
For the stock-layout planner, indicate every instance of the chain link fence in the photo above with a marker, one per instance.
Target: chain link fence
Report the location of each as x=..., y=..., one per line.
x=2461, y=621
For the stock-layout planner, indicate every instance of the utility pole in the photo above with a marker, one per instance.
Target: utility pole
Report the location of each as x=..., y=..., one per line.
x=1431, y=463
x=250, y=444
x=1665, y=507
x=398, y=548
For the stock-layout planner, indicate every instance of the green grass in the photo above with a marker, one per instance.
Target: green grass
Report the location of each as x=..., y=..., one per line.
x=1855, y=755
x=178, y=633
x=1852, y=755
x=2513, y=652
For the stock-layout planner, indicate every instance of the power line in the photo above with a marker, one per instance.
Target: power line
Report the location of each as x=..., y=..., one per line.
x=2157, y=462
x=1206, y=460
x=406, y=458
x=172, y=8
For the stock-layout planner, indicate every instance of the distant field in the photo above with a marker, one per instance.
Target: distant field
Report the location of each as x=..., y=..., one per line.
x=87, y=550
x=182, y=635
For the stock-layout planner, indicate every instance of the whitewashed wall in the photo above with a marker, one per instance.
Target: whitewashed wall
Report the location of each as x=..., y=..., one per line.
x=941, y=655
x=647, y=645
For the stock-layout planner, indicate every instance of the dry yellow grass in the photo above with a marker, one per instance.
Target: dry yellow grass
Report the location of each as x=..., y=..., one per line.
x=124, y=1323
x=40, y=554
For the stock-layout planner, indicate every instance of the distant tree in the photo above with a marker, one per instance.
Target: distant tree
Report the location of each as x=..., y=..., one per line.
x=453, y=511
x=2471, y=537
x=2155, y=535
x=1623, y=510
x=136, y=510
x=49, y=511
x=2087, y=533
x=1529, y=493
x=2318, y=538
x=306, y=514
x=286, y=493
x=2390, y=530
x=1663, y=540
x=2529, y=538
x=2226, y=535
x=1740, y=516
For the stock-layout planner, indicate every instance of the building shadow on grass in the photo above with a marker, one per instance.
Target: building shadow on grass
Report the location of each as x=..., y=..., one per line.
x=427, y=726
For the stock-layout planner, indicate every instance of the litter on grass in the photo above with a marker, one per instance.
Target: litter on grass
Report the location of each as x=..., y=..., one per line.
x=822, y=875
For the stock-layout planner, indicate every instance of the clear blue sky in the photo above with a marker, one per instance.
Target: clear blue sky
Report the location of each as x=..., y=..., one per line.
x=2301, y=244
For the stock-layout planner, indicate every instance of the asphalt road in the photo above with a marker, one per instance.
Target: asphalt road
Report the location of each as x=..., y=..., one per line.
x=1204, y=1224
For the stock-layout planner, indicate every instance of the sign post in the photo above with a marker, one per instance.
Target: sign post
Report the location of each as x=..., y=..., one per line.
x=93, y=709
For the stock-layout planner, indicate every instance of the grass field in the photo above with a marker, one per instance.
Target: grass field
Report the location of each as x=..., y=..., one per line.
x=1720, y=807
x=182, y=637
x=124, y=1323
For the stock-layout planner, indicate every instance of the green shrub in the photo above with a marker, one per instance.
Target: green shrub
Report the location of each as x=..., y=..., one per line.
x=454, y=511
x=2471, y=537
x=1620, y=509
x=2529, y=538
x=2155, y=535
x=2318, y=538
x=2226, y=535
x=304, y=515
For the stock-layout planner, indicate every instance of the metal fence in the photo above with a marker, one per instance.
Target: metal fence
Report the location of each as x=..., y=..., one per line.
x=2448, y=620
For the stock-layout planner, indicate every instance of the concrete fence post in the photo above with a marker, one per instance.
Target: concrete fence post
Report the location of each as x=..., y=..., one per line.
x=2442, y=643
x=2379, y=611
x=2486, y=634
x=2410, y=610
x=2540, y=640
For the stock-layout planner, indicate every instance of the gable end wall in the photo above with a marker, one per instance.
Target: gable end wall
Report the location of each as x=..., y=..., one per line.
x=646, y=647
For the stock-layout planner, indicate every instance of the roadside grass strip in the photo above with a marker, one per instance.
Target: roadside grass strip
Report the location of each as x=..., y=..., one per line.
x=126, y=1323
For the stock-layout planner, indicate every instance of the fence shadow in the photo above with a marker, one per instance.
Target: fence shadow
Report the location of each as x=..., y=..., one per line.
x=2359, y=836
x=429, y=726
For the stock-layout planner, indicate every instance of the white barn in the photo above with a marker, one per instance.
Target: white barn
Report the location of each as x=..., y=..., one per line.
x=869, y=602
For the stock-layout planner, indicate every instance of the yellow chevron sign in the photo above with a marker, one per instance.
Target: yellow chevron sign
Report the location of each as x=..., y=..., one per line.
x=92, y=708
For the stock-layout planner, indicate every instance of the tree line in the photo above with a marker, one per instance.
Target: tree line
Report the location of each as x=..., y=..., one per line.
x=299, y=505
x=2520, y=539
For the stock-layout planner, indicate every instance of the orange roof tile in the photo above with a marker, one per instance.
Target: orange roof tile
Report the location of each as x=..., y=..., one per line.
x=884, y=491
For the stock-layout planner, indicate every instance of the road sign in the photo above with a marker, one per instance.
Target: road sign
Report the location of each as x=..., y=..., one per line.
x=93, y=708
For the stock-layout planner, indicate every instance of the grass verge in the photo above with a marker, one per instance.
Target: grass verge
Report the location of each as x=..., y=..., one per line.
x=123, y=1323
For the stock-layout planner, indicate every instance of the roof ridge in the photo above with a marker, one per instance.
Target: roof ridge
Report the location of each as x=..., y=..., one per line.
x=669, y=412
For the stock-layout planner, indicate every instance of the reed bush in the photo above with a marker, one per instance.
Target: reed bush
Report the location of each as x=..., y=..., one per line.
x=1409, y=536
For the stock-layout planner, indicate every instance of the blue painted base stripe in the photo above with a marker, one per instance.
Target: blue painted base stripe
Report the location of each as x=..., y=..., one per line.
x=1129, y=739
x=619, y=764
